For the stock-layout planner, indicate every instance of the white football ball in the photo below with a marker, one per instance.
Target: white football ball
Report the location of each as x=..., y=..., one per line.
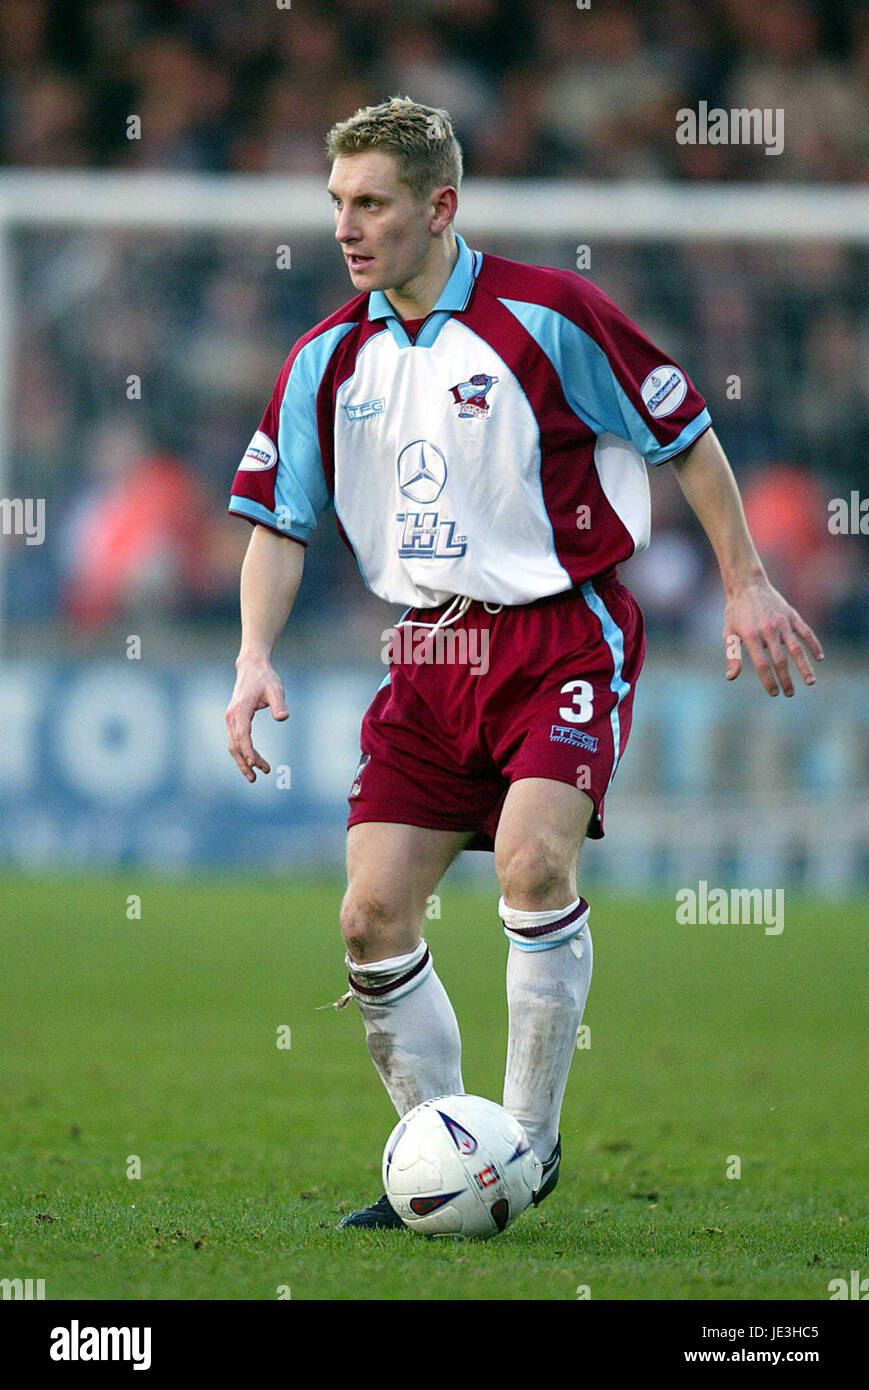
x=459, y=1166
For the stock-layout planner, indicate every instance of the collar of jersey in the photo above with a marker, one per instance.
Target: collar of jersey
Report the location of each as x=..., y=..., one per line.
x=453, y=298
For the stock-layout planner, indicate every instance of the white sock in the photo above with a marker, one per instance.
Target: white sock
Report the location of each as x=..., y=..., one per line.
x=548, y=975
x=410, y=1027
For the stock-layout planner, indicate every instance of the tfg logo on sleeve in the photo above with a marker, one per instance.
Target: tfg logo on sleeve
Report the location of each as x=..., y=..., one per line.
x=664, y=390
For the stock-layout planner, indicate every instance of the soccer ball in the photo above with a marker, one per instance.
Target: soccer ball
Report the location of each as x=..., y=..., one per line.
x=459, y=1166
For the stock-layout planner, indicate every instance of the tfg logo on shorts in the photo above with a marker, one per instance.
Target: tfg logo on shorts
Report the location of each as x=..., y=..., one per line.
x=75, y=1343
x=576, y=738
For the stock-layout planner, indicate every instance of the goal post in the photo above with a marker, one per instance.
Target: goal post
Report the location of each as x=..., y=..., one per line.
x=623, y=211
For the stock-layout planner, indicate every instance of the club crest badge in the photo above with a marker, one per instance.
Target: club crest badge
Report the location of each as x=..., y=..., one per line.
x=471, y=395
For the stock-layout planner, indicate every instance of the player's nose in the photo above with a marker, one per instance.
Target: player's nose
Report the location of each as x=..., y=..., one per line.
x=344, y=229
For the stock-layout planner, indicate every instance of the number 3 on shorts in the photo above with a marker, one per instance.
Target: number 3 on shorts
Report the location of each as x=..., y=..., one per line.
x=579, y=711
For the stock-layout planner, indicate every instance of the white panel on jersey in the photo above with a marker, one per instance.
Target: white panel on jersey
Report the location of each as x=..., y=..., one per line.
x=623, y=477
x=438, y=488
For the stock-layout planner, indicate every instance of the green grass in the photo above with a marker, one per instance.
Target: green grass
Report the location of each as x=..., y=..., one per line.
x=156, y=1038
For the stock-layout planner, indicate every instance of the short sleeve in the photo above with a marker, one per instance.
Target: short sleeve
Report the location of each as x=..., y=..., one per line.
x=281, y=482
x=617, y=380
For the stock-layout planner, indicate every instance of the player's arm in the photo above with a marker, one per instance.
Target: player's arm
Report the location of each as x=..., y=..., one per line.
x=755, y=612
x=281, y=487
x=270, y=579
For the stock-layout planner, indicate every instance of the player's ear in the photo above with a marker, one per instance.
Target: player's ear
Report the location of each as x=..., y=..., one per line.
x=445, y=202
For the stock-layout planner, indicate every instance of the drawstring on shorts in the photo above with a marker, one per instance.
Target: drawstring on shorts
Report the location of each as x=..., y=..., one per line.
x=455, y=609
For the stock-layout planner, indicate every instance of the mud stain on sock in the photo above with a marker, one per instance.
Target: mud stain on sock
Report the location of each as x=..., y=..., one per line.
x=394, y=1071
x=381, y=1049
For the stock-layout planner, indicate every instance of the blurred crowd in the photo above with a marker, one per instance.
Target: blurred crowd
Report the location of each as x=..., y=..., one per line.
x=536, y=87
x=144, y=362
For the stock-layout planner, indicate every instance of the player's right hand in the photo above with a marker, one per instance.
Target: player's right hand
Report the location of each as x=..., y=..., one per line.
x=257, y=686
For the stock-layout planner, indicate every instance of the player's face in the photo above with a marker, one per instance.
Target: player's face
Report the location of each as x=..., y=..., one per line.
x=385, y=234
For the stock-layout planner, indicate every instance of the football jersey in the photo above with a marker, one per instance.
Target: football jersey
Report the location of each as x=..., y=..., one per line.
x=500, y=455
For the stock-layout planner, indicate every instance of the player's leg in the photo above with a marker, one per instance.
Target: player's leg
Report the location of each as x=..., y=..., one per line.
x=549, y=966
x=562, y=736
x=410, y=1027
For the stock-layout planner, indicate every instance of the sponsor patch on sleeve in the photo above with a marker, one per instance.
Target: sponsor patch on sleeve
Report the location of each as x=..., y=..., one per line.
x=663, y=390
x=260, y=454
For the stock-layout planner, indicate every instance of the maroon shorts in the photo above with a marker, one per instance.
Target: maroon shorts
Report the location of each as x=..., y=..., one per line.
x=543, y=689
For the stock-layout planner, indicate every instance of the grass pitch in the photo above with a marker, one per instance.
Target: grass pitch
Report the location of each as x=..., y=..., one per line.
x=156, y=1039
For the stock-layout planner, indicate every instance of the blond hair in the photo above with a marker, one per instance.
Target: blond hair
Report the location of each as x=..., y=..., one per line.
x=420, y=137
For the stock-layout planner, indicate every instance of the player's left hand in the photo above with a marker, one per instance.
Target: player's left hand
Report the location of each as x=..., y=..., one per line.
x=771, y=629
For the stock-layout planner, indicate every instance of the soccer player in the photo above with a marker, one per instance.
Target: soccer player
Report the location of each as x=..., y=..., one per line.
x=482, y=428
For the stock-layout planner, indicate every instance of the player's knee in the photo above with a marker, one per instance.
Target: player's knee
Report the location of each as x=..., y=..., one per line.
x=370, y=925
x=534, y=875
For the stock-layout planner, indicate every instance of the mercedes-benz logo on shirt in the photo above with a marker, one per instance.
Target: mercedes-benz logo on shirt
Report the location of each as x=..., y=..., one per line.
x=422, y=471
